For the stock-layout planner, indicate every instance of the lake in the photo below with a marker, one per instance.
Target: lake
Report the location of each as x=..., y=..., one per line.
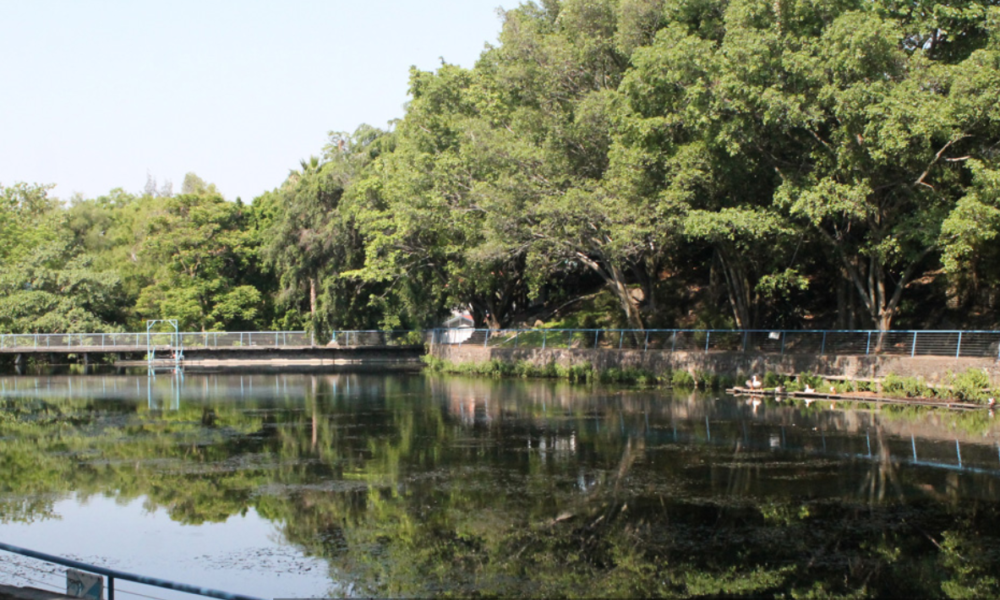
x=355, y=484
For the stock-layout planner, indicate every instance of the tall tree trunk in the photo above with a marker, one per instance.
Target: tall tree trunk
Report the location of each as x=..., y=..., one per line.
x=842, y=306
x=614, y=277
x=872, y=283
x=738, y=287
x=312, y=298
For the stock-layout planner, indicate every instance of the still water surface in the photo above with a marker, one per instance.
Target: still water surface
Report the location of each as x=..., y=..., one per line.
x=401, y=485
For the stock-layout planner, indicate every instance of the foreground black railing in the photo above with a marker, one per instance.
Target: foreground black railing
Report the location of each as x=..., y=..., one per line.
x=113, y=574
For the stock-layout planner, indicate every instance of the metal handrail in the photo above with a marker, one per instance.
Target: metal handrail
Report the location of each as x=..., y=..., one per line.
x=957, y=343
x=111, y=574
x=929, y=342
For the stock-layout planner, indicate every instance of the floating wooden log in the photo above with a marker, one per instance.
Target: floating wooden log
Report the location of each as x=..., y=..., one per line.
x=741, y=391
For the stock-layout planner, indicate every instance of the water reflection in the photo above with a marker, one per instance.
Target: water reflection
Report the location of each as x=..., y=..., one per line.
x=407, y=484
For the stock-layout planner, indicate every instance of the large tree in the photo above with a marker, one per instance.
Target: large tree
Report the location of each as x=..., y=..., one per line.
x=310, y=237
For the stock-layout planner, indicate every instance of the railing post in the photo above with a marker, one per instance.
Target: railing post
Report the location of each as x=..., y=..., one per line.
x=913, y=349
x=486, y=339
x=673, y=342
x=621, y=338
x=782, y=342
x=597, y=336
x=645, y=346
x=517, y=334
x=822, y=348
x=745, y=335
x=544, y=336
x=869, y=346
x=958, y=350
x=708, y=336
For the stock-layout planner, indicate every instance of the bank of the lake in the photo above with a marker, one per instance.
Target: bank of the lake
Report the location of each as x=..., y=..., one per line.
x=968, y=379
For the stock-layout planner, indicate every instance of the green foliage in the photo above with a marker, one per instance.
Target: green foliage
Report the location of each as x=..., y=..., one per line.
x=969, y=570
x=702, y=162
x=772, y=379
x=628, y=375
x=682, y=379
x=972, y=385
x=311, y=240
x=908, y=387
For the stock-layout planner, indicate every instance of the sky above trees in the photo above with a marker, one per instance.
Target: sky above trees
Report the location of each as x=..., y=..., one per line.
x=99, y=94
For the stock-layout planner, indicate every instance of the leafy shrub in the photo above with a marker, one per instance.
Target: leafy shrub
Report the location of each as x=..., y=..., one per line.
x=909, y=387
x=814, y=381
x=973, y=385
x=793, y=384
x=772, y=379
x=681, y=379
x=433, y=363
x=628, y=375
x=892, y=384
x=580, y=373
x=839, y=387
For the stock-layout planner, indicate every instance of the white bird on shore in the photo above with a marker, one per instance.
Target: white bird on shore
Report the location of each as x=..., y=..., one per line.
x=756, y=383
x=991, y=402
x=809, y=390
x=833, y=390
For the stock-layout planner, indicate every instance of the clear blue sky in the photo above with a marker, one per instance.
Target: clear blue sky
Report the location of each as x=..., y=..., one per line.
x=95, y=94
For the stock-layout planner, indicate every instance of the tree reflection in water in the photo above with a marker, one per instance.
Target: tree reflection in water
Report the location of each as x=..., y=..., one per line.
x=412, y=485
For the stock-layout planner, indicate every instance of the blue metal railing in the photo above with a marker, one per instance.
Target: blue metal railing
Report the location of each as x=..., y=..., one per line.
x=127, y=342
x=113, y=574
x=952, y=343
x=911, y=343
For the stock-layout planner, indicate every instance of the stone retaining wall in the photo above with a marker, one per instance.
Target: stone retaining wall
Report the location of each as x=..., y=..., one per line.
x=933, y=369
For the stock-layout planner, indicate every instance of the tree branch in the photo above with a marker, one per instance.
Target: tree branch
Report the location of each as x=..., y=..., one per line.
x=937, y=157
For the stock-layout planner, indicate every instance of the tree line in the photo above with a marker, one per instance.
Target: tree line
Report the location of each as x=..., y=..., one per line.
x=666, y=163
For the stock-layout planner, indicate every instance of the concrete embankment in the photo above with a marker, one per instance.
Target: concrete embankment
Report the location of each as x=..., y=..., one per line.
x=932, y=369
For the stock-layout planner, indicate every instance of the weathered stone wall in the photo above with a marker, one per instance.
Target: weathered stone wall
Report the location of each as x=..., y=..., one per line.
x=933, y=369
